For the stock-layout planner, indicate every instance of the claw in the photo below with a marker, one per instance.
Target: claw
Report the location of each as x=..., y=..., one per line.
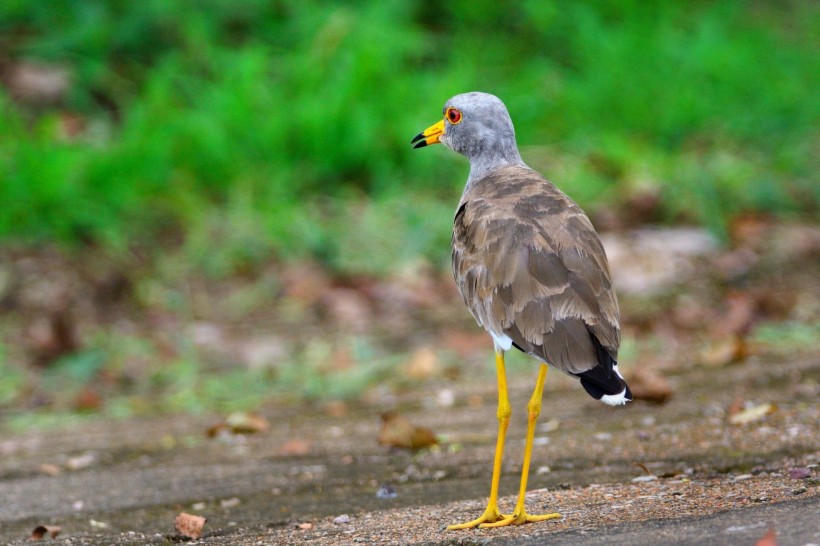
x=489, y=516
x=520, y=519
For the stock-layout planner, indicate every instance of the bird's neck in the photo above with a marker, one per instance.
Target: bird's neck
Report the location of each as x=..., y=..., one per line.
x=483, y=165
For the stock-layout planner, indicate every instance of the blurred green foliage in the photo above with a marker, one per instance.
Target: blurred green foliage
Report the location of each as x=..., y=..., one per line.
x=257, y=128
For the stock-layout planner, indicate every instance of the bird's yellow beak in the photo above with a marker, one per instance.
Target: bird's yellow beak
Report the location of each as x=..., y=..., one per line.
x=431, y=135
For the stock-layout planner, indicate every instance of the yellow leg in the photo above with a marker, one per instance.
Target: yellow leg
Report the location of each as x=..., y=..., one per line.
x=491, y=513
x=520, y=515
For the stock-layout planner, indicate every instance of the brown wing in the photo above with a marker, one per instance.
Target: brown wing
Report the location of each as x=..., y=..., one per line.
x=529, y=264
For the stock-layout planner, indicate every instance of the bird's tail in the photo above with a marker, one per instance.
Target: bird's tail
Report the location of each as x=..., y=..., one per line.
x=604, y=382
x=608, y=387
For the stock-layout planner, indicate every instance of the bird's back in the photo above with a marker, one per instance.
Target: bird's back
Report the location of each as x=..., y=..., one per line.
x=531, y=267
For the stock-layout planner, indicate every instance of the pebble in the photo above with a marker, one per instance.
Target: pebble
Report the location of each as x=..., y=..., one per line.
x=344, y=518
x=229, y=503
x=81, y=461
x=799, y=473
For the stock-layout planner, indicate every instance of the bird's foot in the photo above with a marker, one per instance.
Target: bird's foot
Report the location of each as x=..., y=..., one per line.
x=490, y=515
x=519, y=519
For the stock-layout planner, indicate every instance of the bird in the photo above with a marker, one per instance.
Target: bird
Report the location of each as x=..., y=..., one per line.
x=532, y=271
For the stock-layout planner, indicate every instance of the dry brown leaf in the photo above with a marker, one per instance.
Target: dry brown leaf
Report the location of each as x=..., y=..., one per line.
x=740, y=309
x=53, y=336
x=305, y=282
x=736, y=406
x=754, y=413
x=295, y=447
x=50, y=469
x=748, y=228
x=189, y=525
x=423, y=364
x=88, y=400
x=242, y=422
x=216, y=430
x=336, y=408
x=648, y=385
x=769, y=539
x=399, y=432
x=41, y=531
x=726, y=351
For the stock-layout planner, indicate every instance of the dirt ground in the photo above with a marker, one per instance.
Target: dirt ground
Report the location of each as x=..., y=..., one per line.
x=124, y=482
x=722, y=446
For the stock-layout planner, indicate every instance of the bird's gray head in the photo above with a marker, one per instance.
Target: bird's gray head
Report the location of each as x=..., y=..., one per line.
x=478, y=126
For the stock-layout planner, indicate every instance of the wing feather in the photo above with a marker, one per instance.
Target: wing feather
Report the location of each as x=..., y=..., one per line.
x=530, y=265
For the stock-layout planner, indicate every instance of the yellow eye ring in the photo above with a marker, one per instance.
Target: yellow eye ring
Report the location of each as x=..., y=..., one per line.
x=453, y=115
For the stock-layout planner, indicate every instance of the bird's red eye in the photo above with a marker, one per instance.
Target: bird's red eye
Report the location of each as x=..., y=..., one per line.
x=453, y=115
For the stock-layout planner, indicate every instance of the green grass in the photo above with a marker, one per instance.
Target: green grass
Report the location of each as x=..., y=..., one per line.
x=257, y=129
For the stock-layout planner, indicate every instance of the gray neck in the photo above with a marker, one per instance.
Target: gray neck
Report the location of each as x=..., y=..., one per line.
x=483, y=164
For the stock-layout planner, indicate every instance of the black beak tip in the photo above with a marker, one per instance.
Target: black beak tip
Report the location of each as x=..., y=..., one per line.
x=417, y=137
x=420, y=144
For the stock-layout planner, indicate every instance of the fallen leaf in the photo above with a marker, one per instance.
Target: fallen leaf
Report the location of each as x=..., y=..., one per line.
x=53, y=336
x=423, y=364
x=754, y=413
x=769, y=539
x=648, y=385
x=305, y=282
x=217, y=429
x=336, y=408
x=41, y=531
x=71, y=125
x=242, y=422
x=295, y=447
x=728, y=350
x=736, y=406
x=748, y=228
x=50, y=469
x=189, y=525
x=740, y=308
x=87, y=400
x=399, y=432
x=306, y=526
